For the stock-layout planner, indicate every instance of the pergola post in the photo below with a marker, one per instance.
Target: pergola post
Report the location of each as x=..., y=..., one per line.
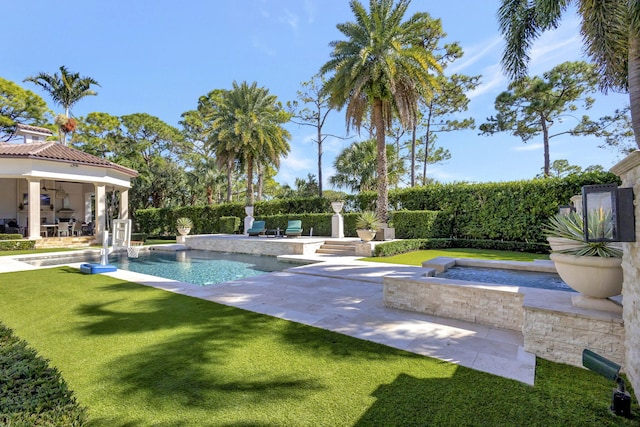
x=33, y=218
x=124, y=203
x=101, y=210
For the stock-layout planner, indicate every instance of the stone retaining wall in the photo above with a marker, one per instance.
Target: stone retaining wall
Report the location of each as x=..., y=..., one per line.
x=551, y=326
x=271, y=246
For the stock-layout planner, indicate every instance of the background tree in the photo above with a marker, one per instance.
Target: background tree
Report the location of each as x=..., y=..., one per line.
x=381, y=68
x=610, y=31
x=65, y=89
x=249, y=122
x=356, y=170
x=533, y=104
x=98, y=134
x=430, y=154
x=19, y=106
x=314, y=116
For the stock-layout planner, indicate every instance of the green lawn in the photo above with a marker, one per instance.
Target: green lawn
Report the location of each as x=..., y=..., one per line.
x=39, y=251
x=139, y=356
x=416, y=257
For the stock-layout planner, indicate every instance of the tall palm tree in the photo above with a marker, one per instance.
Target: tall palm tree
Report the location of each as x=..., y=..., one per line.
x=249, y=122
x=610, y=31
x=65, y=89
x=383, y=68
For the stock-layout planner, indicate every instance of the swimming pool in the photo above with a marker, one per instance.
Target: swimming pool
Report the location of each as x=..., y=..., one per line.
x=199, y=267
x=500, y=276
x=204, y=268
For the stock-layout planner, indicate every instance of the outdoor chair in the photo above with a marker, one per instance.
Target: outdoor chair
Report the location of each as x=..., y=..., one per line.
x=294, y=228
x=257, y=229
x=63, y=229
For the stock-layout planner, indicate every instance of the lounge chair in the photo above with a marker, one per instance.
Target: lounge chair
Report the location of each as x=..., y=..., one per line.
x=257, y=229
x=294, y=228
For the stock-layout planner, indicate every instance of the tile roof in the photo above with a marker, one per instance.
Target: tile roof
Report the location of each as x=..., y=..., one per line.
x=54, y=151
x=30, y=128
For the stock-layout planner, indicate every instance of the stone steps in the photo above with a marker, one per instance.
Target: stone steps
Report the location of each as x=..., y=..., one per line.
x=338, y=248
x=65, y=242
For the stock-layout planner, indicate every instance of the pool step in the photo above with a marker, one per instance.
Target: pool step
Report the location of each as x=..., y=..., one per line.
x=338, y=248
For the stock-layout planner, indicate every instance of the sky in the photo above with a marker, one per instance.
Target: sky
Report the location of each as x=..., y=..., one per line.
x=159, y=56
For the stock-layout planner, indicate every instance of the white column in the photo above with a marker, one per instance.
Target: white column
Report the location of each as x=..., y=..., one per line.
x=87, y=208
x=33, y=220
x=101, y=210
x=124, y=204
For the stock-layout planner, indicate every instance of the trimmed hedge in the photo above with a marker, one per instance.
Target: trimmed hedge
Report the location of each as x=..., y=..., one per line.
x=17, y=245
x=31, y=392
x=229, y=224
x=402, y=246
x=11, y=236
x=505, y=211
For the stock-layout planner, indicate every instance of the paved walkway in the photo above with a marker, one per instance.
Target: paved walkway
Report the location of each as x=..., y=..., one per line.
x=345, y=295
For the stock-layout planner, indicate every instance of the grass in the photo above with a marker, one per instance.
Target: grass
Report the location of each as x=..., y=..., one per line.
x=138, y=356
x=416, y=257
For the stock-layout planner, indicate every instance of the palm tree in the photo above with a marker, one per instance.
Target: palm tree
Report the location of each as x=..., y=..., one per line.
x=382, y=68
x=611, y=34
x=248, y=122
x=66, y=89
x=355, y=168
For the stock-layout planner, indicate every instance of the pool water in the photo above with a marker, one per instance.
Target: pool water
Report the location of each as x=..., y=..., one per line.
x=198, y=267
x=499, y=276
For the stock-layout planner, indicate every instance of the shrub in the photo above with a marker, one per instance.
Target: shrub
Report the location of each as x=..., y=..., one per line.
x=33, y=393
x=229, y=224
x=17, y=245
x=402, y=246
x=11, y=236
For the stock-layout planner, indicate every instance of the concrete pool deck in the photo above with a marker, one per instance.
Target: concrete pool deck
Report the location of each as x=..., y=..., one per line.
x=344, y=295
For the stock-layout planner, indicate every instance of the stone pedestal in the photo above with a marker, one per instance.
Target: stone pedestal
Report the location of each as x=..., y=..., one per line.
x=337, y=226
x=248, y=223
x=385, y=233
x=364, y=249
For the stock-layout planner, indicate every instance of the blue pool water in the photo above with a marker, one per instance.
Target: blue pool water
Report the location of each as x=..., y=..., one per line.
x=198, y=267
x=501, y=276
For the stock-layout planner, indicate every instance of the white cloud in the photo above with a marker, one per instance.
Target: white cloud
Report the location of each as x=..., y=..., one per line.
x=492, y=78
x=290, y=18
x=262, y=47
x=478, y=52
x=529, y=147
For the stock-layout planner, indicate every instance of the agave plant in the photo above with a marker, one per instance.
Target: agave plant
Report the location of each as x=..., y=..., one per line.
x=367, y=220
x=184, y=222
x=571, y=226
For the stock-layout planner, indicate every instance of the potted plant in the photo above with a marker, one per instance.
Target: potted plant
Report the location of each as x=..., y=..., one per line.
x=367, y=223
x=591, y=268
x=184, y=225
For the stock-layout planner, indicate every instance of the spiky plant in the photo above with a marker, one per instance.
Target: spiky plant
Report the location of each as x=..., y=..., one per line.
x=571, y=226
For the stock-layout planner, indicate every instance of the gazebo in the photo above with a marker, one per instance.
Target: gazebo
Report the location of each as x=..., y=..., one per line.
x=45, y=182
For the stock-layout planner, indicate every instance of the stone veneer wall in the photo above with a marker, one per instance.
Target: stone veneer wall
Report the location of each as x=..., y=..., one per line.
x=552, y=327
x=271, y=246
x=501, y=308
x=562, y=336
x=629, y=171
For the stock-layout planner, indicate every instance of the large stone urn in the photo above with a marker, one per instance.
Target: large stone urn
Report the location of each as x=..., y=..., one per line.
x=592, y=276
x=366, y=235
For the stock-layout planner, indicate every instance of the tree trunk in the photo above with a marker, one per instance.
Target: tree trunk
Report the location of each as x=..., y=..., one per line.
x=229, y=180
x=260, y=180
x=545, y=138
x=319, y=157
x=634, y=86
x=413, y=155
x=250, y=197
x=209, y=195
x=383, y=181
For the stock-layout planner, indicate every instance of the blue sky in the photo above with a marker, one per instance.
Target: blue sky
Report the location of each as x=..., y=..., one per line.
x=159, y=56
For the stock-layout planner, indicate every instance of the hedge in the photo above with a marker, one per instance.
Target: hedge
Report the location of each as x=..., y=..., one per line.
x=506, y=211
x=31, y=392
x=402, y=246
x=17, y=245
x=11, y=236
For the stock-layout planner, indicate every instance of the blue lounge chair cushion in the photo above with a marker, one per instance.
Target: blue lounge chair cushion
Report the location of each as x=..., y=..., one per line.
x=294, y=228
x=257, y=228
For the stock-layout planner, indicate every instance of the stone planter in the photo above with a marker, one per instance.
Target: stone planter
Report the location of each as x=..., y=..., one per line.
x=366, y=235
x=183, y=231
x=561, y=243
x=249, y=210
x=337, y=206
x=592, y=276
